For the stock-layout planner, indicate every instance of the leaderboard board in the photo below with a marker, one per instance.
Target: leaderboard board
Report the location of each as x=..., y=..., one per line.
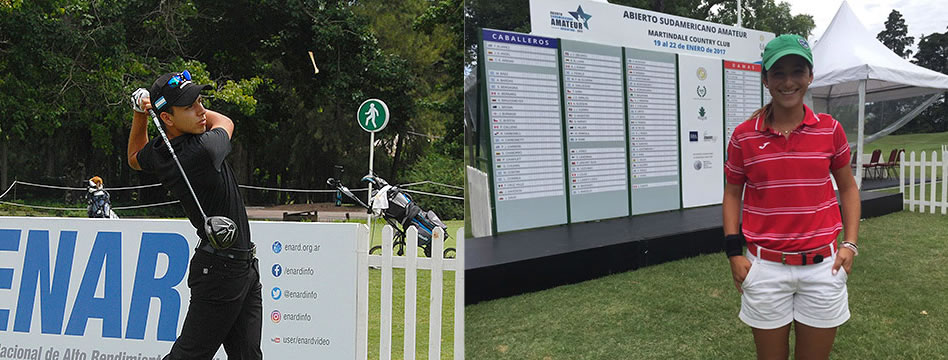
x=595, y=131
x=742, y=95
x=526, y=131
x=653, y=130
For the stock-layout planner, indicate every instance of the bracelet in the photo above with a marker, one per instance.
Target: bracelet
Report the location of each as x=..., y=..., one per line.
x=733, y=244
x=851, y=246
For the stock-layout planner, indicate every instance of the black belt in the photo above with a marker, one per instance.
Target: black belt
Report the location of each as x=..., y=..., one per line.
x=235, y=254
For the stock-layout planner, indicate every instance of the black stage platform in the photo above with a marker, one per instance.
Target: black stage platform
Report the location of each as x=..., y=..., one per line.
x=531, y=260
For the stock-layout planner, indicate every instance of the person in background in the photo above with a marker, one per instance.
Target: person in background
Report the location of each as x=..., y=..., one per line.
x=100, y=203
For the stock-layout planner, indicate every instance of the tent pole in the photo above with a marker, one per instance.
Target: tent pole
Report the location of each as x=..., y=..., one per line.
x=862, y=132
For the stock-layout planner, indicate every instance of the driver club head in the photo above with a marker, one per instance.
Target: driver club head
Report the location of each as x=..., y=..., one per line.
x=221, y=231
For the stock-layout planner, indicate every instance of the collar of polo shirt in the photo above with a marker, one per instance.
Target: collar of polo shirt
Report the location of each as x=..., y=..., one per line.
x=809, y=119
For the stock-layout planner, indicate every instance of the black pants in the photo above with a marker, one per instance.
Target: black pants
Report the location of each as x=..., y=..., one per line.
x=226, y=308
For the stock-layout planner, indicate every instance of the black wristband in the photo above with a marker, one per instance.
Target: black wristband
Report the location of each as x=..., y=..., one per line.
x=733, y=244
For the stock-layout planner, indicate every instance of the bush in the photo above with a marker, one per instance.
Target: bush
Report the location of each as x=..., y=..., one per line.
x=437, y=167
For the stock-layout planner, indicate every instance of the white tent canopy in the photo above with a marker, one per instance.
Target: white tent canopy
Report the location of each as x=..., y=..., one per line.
x=850, y=61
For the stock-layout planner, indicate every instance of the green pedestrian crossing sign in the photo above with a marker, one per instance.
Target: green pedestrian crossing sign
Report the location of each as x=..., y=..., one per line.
x=372, y=115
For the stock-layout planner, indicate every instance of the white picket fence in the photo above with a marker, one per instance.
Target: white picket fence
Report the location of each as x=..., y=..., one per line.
x=411, y=263
x=929, y=166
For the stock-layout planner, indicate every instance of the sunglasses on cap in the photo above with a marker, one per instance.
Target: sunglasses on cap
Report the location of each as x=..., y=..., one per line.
x=179, y=79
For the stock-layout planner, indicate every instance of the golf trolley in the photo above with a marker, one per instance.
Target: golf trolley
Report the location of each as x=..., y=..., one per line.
x=399, y=211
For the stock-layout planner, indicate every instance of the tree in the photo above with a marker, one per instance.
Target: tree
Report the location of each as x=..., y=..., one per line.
x=67, y=67
x=763, y=15
x=933, y=55
x=895, y=36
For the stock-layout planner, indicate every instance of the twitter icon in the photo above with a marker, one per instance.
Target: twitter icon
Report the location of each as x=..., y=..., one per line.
x=276, y=293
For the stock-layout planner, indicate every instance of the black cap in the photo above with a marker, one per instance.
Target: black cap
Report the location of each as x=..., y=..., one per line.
x=163, y=95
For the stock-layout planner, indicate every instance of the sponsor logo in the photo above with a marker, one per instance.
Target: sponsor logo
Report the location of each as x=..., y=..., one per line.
x=698, y=165
x=764, y=145
x=574, y=21
x=693, y=136
x=275, y=316
x=702, y=73
x=803, y=43
x=710, y=138
x=277, y=247
x=276, y=270
x=702, y=90
x=276, y=293
x=702, y=113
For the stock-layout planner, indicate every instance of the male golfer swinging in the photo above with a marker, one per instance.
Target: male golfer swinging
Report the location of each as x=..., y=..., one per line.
x=226, y=304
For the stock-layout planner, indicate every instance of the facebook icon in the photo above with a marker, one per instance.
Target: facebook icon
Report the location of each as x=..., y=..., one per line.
x=277, y=270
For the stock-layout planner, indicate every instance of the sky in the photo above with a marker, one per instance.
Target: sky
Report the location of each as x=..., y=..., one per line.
x=921, y=16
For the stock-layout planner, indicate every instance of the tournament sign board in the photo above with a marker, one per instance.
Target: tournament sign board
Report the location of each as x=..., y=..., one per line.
x=100, y=288
x=675, y=91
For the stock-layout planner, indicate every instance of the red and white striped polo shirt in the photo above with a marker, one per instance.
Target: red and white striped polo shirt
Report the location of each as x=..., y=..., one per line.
x=789, y=202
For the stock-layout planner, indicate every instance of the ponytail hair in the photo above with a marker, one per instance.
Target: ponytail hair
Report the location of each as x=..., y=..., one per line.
x=766, y=112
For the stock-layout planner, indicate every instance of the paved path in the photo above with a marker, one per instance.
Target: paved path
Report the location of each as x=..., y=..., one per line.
x=325, y=212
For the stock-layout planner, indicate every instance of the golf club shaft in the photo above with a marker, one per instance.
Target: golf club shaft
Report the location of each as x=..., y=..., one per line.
x=175, y=157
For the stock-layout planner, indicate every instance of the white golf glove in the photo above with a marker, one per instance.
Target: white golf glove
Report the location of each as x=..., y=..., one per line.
x=137, y=97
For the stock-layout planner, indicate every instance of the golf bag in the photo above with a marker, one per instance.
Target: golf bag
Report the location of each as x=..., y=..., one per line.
x=100, y=205
x=400, y=211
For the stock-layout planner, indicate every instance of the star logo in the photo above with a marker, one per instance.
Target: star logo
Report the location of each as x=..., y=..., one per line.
x=579, y=15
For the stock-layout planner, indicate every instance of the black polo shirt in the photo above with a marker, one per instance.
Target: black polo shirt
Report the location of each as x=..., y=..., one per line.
x=202, y=157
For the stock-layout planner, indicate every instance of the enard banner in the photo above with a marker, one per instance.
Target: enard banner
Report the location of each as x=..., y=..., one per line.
x=96, y=289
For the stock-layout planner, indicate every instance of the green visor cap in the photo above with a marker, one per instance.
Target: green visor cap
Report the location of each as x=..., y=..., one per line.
x=783, y=45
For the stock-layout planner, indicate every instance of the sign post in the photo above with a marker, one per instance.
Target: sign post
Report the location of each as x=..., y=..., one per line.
x=372, y=117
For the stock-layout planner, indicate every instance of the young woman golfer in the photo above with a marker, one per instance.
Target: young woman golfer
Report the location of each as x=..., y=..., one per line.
x=779, y=198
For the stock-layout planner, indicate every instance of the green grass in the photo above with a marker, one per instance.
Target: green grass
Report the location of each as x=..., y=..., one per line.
x=910, y=142
x=687, y=309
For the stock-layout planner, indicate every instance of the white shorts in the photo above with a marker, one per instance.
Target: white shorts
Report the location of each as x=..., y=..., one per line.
x=776, y=294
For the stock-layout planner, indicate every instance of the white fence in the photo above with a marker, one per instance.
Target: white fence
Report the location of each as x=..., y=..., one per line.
x=930, y=167
x=411, y=263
